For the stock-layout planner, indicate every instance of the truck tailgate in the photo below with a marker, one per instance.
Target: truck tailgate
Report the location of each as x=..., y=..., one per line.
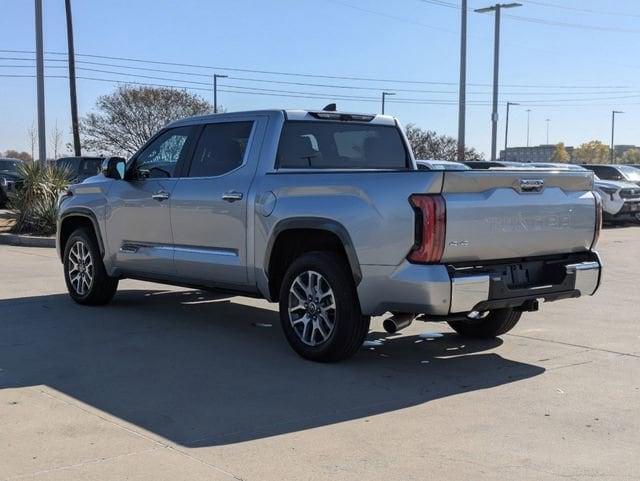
x=512, y=214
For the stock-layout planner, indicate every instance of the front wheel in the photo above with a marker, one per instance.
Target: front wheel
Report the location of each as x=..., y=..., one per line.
x=319, y=309
x=496, y=323
x=84, y=273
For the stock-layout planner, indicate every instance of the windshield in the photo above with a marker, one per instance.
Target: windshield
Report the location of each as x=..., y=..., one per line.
x=8, y=165
x=630, y=173
x=341, y=145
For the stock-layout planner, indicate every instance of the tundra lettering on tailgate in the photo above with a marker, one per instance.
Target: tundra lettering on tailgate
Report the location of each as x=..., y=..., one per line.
x=529, y=223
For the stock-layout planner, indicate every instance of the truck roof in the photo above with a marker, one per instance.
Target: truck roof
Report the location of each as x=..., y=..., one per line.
x=292, y=114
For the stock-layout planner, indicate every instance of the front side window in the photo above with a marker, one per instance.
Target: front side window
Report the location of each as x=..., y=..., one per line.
x=161, y=157
x=341, y=145
x=220, y=149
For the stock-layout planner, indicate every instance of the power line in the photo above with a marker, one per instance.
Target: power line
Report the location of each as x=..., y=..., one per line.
x=337, y=77
x=307, y=84
x=325, y=96
x=583, y=10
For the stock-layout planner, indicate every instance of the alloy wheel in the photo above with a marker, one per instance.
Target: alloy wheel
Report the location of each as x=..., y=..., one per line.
x=312, y=308
x=81, y=268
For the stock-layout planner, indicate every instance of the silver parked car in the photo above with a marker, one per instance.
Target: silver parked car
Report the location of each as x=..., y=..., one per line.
x=327, y=214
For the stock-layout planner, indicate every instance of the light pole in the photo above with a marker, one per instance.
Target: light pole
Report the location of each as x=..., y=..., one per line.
x=613, y=130
x=462, y=88
x=384, y=95
x=42, y=133
x=528, y=115
x=496, y=64
x=547, y=121
x=506, y=129
x=215, y=91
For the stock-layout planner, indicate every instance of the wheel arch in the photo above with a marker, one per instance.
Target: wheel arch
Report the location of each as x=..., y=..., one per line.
x=284, y=244
x=73, y=219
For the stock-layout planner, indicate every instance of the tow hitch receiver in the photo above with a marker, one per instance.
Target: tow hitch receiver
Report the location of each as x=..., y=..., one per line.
x=532, y=305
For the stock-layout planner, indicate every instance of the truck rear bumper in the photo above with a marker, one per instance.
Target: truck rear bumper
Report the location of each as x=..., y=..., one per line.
x=440, y=290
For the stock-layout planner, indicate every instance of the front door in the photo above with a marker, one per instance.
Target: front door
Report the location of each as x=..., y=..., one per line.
x=209, y=206
x=139, y=222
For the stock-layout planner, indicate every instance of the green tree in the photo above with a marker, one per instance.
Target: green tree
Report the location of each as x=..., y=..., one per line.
x=631, y=156
x=428, y=145
x=560, y=154
x=125, y=119
x=593, y=152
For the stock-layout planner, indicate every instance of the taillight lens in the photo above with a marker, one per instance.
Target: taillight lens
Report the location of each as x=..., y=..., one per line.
x=430, y=228
x=598, y=228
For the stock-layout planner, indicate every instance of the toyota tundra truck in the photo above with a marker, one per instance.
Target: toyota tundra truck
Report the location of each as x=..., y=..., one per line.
x=326, y=214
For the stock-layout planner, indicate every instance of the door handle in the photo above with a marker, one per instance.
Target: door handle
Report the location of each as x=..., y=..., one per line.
x=160, y=195
x=232, y=196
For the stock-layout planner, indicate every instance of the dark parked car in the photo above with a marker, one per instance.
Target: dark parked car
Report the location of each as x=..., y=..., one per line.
x=488, y=164
x=81, y=168
x=8, y=178
x=615, y=172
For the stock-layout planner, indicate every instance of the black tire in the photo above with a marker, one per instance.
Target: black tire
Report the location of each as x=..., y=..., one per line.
x=350, y=327
x=497, y=322
x=102, y=287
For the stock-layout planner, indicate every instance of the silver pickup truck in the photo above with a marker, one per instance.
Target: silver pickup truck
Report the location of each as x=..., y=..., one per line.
x=327, y=214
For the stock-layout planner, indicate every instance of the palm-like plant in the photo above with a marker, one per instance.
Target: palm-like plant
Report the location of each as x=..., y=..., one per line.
x=36, y=199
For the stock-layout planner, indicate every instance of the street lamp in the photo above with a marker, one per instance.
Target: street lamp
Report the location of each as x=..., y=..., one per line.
x=613, y=129
x=506, y=129
x=496, y=61
x=384, y=95
x=215, y=91
x=528, y=114
x=547, y=121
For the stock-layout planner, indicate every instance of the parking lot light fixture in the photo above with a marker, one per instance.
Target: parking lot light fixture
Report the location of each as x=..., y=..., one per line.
x=497, y=8
x=613, y=130
x=384, y=95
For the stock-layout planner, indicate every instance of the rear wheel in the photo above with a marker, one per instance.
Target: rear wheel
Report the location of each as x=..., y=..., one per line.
x=84, y=273
x=496, y=323
x=319, y=309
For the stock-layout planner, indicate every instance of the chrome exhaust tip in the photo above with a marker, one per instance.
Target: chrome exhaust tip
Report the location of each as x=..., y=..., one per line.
x=397, y=322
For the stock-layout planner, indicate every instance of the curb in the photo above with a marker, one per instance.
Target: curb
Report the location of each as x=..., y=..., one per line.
x=27, y=240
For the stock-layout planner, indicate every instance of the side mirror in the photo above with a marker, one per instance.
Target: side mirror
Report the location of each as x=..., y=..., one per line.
x=114, y=167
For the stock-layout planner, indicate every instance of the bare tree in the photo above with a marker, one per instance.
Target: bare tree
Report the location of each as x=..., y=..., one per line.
x=14, y=154
x=127, y=118
x=55, y=139
x=32, y=136
x=428, y=145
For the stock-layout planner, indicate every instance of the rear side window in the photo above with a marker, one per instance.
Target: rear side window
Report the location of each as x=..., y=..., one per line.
x=341, y=145
x=90, y=166
x=607, y=173
x=220, y=149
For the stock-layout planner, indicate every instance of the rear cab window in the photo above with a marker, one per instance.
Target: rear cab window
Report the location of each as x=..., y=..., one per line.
x=341, y=145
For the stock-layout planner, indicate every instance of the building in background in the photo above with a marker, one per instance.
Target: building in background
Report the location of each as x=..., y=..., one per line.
x=539, y=153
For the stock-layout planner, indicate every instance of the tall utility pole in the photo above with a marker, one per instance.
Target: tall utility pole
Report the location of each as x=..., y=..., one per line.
x=42, y=133
x=497, y=8
x=215, y=91
x=528, y=115
x=547, y=121
x=72, y=82
x=384, y=95
x=462, y=88
x=506, y=129
x=613, y=131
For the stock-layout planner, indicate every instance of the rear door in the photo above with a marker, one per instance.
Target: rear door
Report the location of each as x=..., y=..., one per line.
x=510, y=214
x=209, y=205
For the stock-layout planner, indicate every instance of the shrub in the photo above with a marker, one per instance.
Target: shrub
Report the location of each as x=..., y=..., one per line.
x=36, y=198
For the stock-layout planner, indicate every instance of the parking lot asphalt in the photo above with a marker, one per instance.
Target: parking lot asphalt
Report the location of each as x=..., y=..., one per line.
x=174, y=384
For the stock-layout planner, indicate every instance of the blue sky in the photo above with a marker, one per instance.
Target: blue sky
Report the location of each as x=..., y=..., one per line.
x=567, y=74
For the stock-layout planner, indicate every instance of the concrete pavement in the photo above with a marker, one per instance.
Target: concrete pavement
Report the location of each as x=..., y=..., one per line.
x=172, y=384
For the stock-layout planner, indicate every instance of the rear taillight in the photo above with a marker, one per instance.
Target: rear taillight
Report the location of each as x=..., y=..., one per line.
x=430, y=228
x=598, y=228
